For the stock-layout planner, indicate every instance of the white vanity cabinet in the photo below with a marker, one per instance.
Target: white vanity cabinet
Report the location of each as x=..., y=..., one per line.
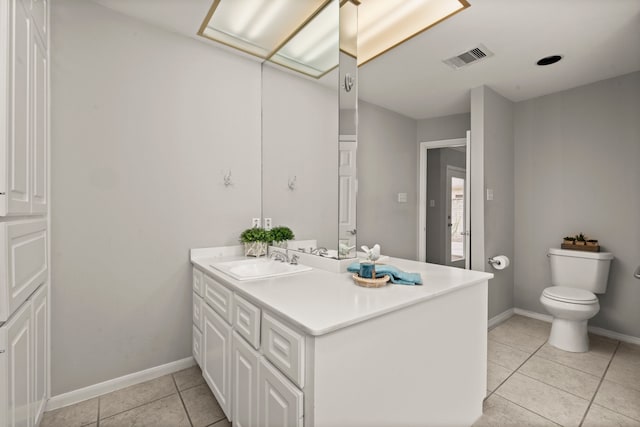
x=316, y=350
x=24, y=362
x=24, y=80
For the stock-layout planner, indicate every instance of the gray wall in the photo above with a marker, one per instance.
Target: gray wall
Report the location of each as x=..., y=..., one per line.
x=492, y=138
x=577, y=157
x=437, y=161
x=308, y=150
x=144, y=123
x=387, y=165
x=446, y=127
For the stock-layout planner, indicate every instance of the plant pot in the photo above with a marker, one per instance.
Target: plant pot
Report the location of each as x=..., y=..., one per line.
x=282, y=244
x=592, y=243
x=569, y=242
x=256, y=249
x=580, y=243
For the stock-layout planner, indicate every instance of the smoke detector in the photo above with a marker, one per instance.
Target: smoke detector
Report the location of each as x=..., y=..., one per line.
x=476, y=54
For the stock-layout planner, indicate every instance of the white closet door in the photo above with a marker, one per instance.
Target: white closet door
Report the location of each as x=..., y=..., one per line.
x=40, y=321
x=39, y=121
x=20, y=368
x=18, y=155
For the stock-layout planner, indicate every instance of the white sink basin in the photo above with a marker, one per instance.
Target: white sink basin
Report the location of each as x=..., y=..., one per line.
x=260, y=268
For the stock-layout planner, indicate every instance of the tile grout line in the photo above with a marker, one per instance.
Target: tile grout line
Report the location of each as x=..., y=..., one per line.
x=584, y=416
x=98, y=421
x=182, y=400
x=530, y=410
x=514, y=371
x=139, y=406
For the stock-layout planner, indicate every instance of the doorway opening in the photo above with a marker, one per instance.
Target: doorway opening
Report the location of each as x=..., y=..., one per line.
x=444, y=215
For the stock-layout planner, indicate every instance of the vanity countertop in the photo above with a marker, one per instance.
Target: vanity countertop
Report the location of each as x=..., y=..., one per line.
x=319, y=301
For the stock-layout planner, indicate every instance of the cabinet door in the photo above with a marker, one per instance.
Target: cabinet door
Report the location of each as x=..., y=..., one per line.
x=40, y=322
x=216, y=357
x=280, y=402
x=20, y=368
x=39, y=127
x=18, y=156
x=245, y=383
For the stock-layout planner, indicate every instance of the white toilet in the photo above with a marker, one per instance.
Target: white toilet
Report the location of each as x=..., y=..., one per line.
x=576, y=277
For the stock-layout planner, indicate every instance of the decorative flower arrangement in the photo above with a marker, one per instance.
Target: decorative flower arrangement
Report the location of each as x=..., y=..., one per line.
x=255, y=241
x=280, y=236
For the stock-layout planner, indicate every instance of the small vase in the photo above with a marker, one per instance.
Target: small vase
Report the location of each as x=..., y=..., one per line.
x=256, y=249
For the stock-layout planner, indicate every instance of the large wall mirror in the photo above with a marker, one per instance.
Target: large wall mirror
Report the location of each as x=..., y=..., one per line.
x=340, y=160
x=309, y=116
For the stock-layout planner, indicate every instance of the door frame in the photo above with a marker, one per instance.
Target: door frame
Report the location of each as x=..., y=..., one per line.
x=422, y=188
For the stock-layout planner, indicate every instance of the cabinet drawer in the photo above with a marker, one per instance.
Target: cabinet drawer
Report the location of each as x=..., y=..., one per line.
x=23, y=262
x=246, y=320
x=197, y=311
x=218, y=297
x=197, y=345
x=284, y=347
x=198, y=282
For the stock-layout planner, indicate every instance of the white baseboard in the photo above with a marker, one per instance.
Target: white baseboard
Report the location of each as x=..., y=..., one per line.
x=95, y=390
x=593, y=329
x=496, y=320
x=532, y=314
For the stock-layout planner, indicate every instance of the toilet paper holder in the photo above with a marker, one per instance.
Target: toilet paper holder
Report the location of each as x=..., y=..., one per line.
x=498, y=263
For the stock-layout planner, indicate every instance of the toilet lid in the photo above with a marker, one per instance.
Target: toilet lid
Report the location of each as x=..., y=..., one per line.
x=572, y=295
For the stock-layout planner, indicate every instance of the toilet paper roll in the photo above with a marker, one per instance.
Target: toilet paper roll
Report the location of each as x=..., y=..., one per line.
x=500, y=262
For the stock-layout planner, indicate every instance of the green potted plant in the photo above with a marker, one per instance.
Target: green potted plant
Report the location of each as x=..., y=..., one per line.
x=592, y=242
x=280, y=236
x=581, y=240
x=255, y=241
x=569, y=240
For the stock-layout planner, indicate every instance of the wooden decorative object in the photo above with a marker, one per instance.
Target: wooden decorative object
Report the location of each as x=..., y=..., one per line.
x=371, y=283
x=586, y=248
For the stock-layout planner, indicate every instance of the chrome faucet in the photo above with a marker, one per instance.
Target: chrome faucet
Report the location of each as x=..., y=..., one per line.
x=279, y=256
x=319, y=251
x=294, y=259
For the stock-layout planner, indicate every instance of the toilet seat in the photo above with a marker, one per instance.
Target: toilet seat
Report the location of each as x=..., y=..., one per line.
x=570, y=295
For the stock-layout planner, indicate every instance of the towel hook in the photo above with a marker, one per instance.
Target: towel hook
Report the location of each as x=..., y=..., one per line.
x=227, y=178
x=291, y=183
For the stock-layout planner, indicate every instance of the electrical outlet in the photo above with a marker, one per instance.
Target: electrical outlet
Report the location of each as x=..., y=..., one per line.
x=267, y=224
x=255, y=222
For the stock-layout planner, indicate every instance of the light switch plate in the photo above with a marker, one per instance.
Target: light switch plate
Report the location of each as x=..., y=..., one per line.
x=489, y=193
x=432, y=203
x=402, y=197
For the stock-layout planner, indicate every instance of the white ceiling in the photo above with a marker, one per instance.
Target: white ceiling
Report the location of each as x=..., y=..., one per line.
x=598, y=38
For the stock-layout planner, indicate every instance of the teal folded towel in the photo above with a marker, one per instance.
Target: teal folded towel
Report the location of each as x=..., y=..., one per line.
x=397, y=276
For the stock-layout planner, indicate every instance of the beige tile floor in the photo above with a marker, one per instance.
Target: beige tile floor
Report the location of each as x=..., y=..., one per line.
x=529, y=384
x=180, y=399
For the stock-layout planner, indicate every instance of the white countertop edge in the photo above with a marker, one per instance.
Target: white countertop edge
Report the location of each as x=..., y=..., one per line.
x=233, y=284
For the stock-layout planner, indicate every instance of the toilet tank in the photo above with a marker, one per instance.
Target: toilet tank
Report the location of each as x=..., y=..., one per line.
x=578, y=269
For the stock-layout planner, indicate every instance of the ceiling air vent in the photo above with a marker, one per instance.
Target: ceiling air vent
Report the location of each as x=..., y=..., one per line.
x=469, y=57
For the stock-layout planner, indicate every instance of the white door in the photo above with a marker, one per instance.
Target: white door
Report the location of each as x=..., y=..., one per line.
x=20, y=368
x=280, y=402
x=455, y=236
x=39, y=123
x=245, y=383
x=347, y=190
x=18, y=156
x=40, y=321
x=216, y=355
